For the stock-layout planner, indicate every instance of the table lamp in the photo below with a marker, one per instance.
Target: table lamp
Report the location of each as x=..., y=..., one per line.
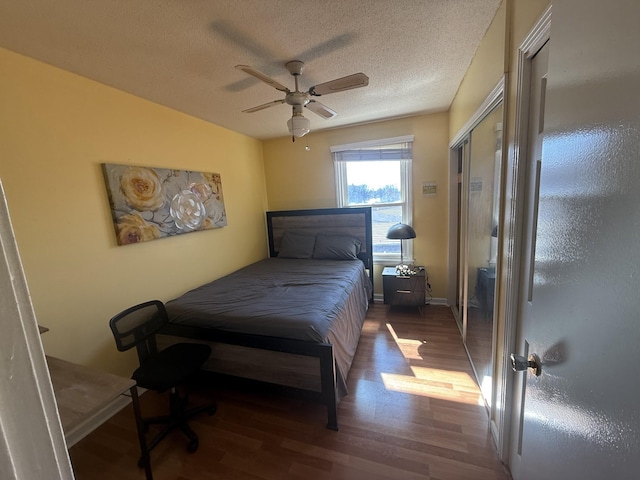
x=401, y=231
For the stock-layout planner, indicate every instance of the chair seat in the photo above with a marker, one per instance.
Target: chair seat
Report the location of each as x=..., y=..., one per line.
x=171, y=366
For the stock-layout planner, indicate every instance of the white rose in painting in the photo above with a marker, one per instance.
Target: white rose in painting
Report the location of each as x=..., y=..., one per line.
x=187, y=210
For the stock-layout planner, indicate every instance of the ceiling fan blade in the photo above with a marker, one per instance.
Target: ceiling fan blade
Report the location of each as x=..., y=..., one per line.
x=356, y=80
x=263, y=106
x=261, y=76
x=320, y=109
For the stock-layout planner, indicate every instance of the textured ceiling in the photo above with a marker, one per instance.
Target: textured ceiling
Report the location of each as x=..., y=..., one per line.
x=182, y=53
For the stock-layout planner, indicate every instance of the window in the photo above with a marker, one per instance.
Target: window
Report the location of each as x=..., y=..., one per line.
x=378, y=174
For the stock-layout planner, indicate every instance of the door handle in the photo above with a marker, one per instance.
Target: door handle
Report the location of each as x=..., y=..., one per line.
x=520, y=364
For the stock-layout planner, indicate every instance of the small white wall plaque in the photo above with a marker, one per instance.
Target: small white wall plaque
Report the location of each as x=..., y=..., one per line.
x=429, y=188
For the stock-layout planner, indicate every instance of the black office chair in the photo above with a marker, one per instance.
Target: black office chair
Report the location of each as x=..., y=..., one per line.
x=161, y=370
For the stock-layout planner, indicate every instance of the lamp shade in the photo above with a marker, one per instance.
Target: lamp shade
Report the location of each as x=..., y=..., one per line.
x=298, y=125
x=401, y=231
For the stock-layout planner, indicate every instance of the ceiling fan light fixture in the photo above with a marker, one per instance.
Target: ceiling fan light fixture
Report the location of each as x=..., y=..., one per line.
x=298, y=125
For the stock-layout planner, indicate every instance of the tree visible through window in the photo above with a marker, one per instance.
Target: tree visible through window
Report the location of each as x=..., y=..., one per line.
x=377, y=174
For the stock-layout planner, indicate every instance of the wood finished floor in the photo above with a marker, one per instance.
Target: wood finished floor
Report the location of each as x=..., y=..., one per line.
x=413, y=412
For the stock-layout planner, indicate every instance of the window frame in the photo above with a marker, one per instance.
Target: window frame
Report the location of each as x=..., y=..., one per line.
x=405, y=165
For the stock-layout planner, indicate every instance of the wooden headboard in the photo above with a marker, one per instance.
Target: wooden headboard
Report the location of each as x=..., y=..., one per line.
x=355, y=222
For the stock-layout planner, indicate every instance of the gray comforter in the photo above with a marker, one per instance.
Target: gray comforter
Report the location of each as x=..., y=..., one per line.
x=310, y=300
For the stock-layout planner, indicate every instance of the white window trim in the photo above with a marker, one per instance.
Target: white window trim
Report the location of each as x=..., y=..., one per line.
x=372, y=143
x=405, y=179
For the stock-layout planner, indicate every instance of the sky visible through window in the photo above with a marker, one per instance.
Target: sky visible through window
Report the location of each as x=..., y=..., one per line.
x=374, y=183
x=374, y=174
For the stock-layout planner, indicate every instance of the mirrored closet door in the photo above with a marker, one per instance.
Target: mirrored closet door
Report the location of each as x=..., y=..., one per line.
x=479, y=157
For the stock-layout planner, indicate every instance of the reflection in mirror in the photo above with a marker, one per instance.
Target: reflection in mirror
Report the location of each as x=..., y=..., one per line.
x=485, y=155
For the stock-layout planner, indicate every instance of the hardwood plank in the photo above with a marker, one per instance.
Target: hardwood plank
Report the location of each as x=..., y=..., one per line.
x=413, y=412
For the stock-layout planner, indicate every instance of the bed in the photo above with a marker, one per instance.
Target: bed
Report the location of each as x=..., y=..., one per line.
x=294, y=318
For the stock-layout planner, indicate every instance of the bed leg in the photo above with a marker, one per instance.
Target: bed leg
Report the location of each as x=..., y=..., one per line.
x=332, y=415
x=328, y=381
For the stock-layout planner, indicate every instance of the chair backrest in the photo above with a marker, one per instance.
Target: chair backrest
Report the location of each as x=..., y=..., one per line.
x=136, y=327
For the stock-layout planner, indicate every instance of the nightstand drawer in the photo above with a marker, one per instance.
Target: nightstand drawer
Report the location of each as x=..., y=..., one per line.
x=403, y=290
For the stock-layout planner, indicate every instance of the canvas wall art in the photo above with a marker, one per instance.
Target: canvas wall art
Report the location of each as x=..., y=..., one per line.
x=149, y=203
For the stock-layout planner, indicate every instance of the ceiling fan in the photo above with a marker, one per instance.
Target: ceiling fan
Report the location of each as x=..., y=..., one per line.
x=299, y=125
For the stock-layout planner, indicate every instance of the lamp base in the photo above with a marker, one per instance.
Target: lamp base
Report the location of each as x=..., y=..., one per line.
x=403, y=269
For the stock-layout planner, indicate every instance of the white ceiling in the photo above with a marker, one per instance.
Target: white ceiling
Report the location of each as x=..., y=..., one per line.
x=182, y=53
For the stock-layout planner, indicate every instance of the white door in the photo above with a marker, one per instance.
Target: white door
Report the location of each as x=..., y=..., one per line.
x=32, y=443
x=581, y=418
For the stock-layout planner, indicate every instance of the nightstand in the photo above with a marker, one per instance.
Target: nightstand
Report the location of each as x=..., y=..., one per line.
x=485, y=287
x=404, y=290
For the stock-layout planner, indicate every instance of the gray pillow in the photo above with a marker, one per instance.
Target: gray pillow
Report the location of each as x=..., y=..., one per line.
x=336, y=247
x=296, y=245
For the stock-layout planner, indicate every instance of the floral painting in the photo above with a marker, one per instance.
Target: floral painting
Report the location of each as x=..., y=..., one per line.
x=149, y=203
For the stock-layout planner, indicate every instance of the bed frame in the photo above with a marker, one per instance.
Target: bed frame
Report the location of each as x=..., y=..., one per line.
x=337, y=221
x=355, y=222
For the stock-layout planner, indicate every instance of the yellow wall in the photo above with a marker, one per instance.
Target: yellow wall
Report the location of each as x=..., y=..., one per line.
x=56, y=128
x=493, y=58
x=486, y=69
x=297, y=178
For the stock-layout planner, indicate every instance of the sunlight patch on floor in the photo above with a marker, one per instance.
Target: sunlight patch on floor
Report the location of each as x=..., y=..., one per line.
x=403, y=341
x=461, y=380
x=427, y=388
x=430, y=382
x=408, y=347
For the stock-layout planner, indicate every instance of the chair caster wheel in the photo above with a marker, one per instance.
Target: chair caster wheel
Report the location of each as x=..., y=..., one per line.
x=192, y=446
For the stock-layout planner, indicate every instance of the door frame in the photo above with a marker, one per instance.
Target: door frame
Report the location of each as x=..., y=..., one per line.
x=501, y=418
x=31, y=437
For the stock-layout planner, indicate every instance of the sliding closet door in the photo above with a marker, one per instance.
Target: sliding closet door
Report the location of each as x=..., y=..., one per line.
x=476, y=156
x=485, y=147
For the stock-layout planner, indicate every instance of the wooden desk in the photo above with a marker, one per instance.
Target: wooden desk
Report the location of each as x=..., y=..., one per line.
x=87, y=398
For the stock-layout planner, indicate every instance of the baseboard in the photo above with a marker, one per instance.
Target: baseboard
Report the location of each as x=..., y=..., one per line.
x=438, y=301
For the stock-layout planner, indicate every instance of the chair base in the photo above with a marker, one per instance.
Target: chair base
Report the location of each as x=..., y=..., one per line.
x=177, y=418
